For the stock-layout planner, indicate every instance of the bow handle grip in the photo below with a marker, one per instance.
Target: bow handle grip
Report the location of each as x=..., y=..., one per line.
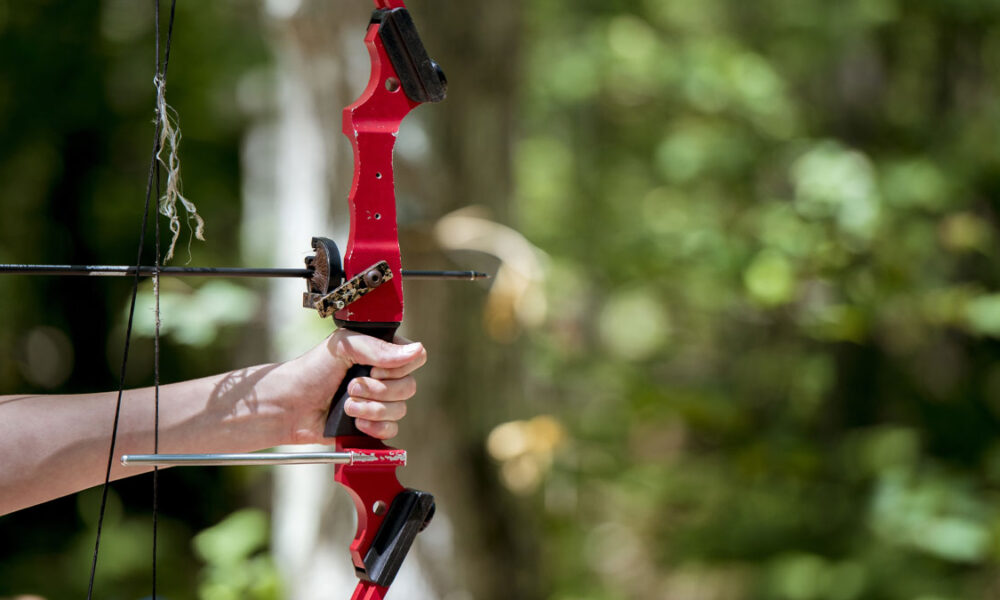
x=337, y=423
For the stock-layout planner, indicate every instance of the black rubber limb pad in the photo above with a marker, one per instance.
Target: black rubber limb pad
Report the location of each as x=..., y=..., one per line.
x=337, y=423
x=409, y=513
x=422, y=78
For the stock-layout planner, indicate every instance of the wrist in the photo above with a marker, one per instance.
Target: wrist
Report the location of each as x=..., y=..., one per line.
x=261, y=413
x=238, y=411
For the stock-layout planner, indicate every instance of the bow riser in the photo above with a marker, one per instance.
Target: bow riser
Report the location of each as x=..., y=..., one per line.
x=402, y=77
x=371, y=124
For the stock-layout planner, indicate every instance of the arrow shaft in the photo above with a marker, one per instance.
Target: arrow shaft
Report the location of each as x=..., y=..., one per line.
x=147, y=271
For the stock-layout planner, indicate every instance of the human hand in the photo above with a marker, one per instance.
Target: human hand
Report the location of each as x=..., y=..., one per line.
x=376, y=402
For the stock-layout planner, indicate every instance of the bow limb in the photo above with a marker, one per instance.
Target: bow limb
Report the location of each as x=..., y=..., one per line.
x=369, y=591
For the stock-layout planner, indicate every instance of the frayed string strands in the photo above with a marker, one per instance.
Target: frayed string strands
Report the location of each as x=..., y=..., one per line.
x=167, y=155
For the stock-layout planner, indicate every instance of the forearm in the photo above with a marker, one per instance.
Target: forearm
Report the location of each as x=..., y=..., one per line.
x=51, y=446
x=56, y=445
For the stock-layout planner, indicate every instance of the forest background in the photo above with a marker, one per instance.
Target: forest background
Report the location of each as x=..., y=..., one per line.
x=742, y=341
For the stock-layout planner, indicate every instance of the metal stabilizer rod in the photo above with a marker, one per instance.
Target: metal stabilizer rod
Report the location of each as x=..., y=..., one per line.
x=374, y=458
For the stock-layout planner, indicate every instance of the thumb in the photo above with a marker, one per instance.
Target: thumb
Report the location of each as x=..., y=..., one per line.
x=360, y=349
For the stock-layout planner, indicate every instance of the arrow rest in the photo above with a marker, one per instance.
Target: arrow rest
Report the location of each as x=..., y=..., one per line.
x=327, y=268
x=327, y=273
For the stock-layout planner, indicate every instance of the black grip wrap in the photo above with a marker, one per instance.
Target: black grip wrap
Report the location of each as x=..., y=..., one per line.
x=338, y=423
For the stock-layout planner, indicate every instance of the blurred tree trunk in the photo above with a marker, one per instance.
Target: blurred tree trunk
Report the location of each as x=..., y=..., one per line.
x=478, y=547
x=472, y=381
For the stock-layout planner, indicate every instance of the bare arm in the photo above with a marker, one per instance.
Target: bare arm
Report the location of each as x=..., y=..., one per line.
x=55, y=445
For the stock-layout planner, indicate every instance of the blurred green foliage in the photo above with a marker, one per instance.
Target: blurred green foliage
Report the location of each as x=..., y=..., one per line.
x=773, y=307
x=773, y=297
x=236, y=568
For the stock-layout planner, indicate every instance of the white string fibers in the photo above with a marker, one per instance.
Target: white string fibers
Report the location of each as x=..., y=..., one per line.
x=170, y=139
